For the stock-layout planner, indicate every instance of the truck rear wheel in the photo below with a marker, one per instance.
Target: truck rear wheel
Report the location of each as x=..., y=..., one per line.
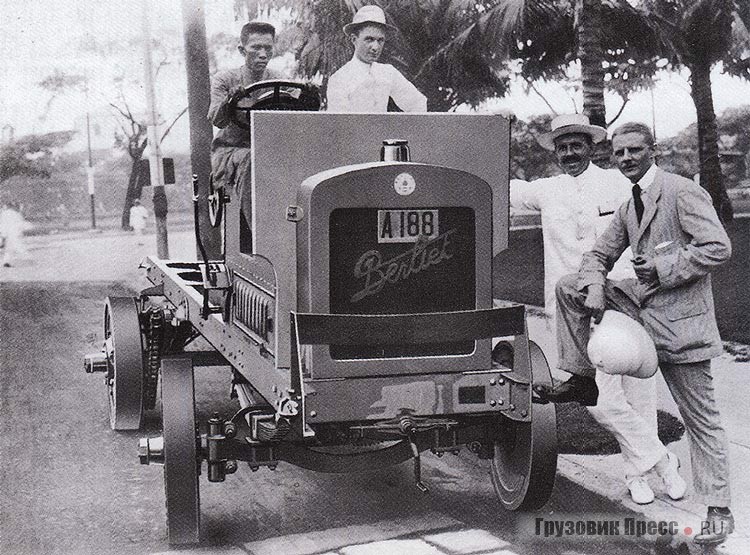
x=123, y=346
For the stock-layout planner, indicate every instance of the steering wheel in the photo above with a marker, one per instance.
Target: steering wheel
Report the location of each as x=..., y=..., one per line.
x=273, y=95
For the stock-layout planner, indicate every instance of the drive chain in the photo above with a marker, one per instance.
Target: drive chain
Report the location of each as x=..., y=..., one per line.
x=154, y=340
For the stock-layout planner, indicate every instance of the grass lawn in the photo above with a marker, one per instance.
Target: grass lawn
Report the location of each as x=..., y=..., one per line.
x=519, y=276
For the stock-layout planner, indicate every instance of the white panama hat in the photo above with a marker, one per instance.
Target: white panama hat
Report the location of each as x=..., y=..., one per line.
x=367, y=15
x=571, y=123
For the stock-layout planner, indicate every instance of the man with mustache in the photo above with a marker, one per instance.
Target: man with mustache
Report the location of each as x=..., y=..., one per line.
x=363, y=84
x=576, y=207
x=675, y=233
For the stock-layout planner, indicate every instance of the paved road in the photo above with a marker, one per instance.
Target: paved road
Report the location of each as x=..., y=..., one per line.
x=70, y=485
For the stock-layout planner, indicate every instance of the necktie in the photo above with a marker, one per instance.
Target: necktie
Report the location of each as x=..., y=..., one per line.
x=638, y=202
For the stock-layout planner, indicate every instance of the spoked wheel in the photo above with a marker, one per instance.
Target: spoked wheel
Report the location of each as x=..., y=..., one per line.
x=181, y=463
x=123, y=347
x=525, y=458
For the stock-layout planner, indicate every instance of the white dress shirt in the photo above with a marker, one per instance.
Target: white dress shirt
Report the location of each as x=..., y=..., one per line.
x=575, y=211
x=647, y=178
x=361, y=87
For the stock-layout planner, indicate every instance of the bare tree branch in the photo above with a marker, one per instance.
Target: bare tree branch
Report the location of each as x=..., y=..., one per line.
x=127, y=116
x=171, y=125
x=161, y=64
x=531, y=85
x=625, y=100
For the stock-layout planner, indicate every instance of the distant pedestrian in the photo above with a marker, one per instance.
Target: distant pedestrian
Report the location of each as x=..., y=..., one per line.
x=12, y=227
x=138, y=216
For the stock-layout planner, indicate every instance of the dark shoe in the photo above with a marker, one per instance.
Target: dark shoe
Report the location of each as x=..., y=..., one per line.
x=578, y=389
x=714, y=530
x=502, y=354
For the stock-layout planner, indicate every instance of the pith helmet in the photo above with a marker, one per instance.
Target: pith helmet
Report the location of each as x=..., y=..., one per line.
x=620, y=345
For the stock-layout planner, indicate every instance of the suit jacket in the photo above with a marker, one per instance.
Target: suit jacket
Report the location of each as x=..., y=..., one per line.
x=681, y=231
x=575, y=211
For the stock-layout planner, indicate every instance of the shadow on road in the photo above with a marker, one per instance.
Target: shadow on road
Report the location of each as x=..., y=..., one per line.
x=77, y=487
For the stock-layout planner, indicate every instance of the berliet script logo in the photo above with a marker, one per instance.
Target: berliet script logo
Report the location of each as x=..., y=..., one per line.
x=378, y=272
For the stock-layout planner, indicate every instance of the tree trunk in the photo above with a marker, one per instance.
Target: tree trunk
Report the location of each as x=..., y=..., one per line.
x=201, y=132
x=135, y=188
x=160, y=218
x=591, y=53
x=708, y=139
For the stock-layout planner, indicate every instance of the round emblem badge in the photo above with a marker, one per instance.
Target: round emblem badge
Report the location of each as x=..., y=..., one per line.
x=404, y=184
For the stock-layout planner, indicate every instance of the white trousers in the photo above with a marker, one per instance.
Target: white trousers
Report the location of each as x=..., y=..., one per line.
x=626, y=406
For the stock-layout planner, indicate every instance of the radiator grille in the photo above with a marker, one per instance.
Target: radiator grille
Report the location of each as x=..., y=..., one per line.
x=252, y=310
x=399, y=278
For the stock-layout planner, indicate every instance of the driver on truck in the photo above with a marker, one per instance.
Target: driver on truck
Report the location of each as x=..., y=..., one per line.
x=230, y=149
x=363, y=84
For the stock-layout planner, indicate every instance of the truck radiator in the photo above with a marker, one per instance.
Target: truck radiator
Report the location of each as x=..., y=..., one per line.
x=252, y=310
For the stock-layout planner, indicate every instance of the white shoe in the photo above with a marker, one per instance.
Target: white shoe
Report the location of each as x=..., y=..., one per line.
x=640, y=491
x=668, y=471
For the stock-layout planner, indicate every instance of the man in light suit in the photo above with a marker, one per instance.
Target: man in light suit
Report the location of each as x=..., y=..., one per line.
x=677, y=239
x=576, y=208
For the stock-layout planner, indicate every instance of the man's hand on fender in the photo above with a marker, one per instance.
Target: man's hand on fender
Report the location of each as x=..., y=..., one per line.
x=645, y=269
x=595, y=302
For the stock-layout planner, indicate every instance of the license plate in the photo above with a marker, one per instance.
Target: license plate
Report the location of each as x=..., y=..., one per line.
x=406, y=226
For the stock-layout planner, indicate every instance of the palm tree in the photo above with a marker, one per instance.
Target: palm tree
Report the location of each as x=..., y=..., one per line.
x=699, y=34
x=588, y=17
x=609, y=37
x=459, y=50
x=423, y=28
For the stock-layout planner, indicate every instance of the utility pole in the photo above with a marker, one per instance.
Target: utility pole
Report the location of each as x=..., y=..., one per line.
x=653, y=113
x=154, y=148
x=201, y=132
x=90, y=167
x=85, y=16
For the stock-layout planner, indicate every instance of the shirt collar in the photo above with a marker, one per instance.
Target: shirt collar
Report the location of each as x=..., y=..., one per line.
x=359, y=64
x=647, y=178
x=247, y=76
x=585, y=173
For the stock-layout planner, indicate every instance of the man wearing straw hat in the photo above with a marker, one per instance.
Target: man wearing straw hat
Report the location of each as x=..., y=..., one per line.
x=672, y=227
x=363, y=84
x=576, y=207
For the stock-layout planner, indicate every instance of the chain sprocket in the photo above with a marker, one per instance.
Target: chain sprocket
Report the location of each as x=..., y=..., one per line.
x=154, y=334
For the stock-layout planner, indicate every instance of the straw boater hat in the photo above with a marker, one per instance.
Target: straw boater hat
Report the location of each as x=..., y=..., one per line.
x=571, y=123
x=367, y=15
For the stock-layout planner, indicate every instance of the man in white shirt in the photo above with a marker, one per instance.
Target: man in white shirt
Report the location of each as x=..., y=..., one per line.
x=12, y=227
x=363, y=84
x=138, y=217
x=576, y=207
